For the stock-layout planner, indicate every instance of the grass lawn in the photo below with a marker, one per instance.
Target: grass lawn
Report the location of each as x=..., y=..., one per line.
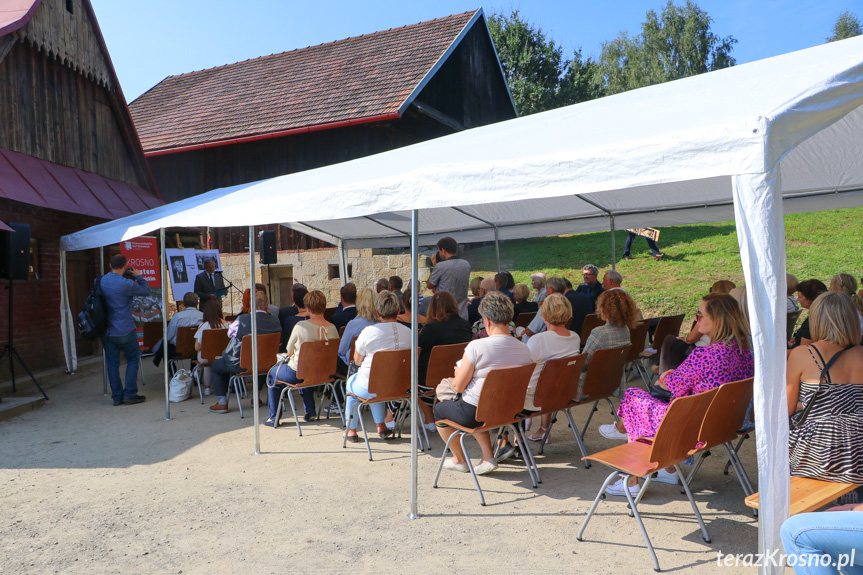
x=819, y=245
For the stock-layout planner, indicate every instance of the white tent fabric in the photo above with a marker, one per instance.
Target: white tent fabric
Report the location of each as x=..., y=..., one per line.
x=782, y=134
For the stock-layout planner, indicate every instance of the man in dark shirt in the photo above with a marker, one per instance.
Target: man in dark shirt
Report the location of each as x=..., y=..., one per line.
x=348, y=311
x=229, y=364
x=118, y=289
x=582, y=305
x=208, y=282
x=591, y=286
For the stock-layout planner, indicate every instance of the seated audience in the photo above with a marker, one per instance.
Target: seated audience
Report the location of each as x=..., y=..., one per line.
x=273, y=310
x=825, y=381
x=582, y=306
x=504, y=283
x=555, y=342
x=474, y=287
x=520, y=293
x=819, y=539
x=727, y=358
x=366, y=316
x=299, y=296
x=229, y=364
x=846, y=284
x=291, y=309
x=404, y=318
x=444, y=326
x=212, y=320
x=498, y=350
x=618, y=309
x=486, y=286
x=537, y=325
x=348, y=300
x=791, y=304
x=189, y=317
x=537, y=281
x=315, y=328
x=806, y=293
x=382, y=284
x=723, y=286
x=739, y=295
x=384, y=336
x=590, y=287
x=394, y=285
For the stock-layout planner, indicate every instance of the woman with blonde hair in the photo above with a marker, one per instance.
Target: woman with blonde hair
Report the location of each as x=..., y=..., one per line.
x=314, y=328
x=846, y=284
x=537, y=281
x=520, y=293
x=824, y=386
x=727, y=358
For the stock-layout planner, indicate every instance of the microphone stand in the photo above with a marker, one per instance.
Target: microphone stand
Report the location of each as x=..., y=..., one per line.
x=230, y=285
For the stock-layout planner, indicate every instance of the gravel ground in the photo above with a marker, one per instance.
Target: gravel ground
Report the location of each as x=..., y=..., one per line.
x=92, y=488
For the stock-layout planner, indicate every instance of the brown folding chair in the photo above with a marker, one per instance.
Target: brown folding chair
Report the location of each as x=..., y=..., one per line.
x=557, y=385
x=213, y=343
x=342, y=330
x=591, y=322
x=638, y=337
x=268, y=348
x=809, y=494
x=723, y=419
x=389, y=380
x=667, y=325
x=152, y=333
x=185, y=347
x=318, y=360
x=600, y=382
x=676, y=436
x=500, y=402
x=524, y=318
x=441, y=365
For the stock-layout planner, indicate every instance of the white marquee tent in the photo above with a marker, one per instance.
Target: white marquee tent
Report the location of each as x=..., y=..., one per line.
x=751, y=142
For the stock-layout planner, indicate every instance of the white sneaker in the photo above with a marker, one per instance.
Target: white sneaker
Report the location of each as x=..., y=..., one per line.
x=430, y=427
x=663, y=476
x=453, y=466
x=618, y=487
x=390, y=425
x=207, y=391
x=609, y=431
x=485, y=467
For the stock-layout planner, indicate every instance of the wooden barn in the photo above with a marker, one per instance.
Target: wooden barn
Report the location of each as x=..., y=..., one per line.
x=69, y=159
x=317, y=106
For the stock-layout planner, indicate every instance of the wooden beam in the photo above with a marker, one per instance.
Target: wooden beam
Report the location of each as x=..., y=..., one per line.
x=438, y=116
x=6, y=43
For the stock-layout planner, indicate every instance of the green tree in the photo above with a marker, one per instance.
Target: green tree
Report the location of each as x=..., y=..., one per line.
x=540, y=77
x=673, y=45
x=846, y=26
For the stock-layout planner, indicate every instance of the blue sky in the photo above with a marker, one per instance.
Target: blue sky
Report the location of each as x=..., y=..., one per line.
x=151, y=40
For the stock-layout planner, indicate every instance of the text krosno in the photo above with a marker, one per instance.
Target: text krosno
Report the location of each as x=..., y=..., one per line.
x=779, y=559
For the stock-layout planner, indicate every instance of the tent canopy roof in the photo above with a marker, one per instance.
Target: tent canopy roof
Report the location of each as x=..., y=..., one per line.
x=658, y=155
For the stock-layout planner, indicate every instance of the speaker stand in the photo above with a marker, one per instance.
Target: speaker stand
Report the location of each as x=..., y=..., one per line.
x=10, y=352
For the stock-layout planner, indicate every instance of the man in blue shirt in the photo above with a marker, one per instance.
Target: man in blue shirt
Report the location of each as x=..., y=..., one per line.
x=118, y=289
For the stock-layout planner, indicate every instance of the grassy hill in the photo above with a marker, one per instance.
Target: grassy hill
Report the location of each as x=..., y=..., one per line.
x=819, y=245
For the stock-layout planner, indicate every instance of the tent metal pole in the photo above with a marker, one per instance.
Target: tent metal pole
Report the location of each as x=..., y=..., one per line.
x=343, y=266
x=414, y=404
x=165, y=322
x=253, y=293
x=613, y=251
x=65, y=315
x=104, y=367
x=497, y=249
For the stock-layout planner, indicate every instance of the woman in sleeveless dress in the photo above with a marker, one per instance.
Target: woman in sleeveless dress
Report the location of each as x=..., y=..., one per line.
x=828, y=443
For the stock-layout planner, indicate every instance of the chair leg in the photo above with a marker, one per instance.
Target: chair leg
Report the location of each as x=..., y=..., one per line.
x=547, y=433
x=600, y=495
x=613, y=410
x=578, y=438
x=197, y=373
x=634, y=513
x=529, y=461
x=742, y=476
x=462, y=435
x=290, y=394
x=696, y=466
x=736, y=450
x=363, y=425
x=238, y=382
x=442, y=459
x=422, y=426
x=704, y=534
x=642, y=491
x=589, y=417
x=341, y=411
x=143, y=383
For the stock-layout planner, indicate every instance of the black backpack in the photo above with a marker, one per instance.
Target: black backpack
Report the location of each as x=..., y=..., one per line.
x=93, y=319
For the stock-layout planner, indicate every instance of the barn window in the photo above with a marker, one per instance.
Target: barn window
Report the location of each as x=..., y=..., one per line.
x=333, y=271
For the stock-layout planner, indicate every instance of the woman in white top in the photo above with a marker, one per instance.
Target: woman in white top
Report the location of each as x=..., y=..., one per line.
x=212, y=320
x=316, y=328
x=555, y=342
x=384, y=336
x=498, y=350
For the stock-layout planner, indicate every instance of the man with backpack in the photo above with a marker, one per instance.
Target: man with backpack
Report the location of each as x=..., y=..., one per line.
x=118, y=288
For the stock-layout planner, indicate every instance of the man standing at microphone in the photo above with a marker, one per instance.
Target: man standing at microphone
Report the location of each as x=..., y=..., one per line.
x=208, y=282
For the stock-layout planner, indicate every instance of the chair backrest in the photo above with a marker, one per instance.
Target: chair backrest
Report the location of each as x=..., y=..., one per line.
x=558, y=382
x=524, y=318
x=342, y=330
x=726, y=412
x=318, y=360
x=668, y=325
x=268, y=347
x=591, y=321
x=213, y=343
x=152, y=334
x=502, y=395
x=678, y=432
x=789, y=327
x=638, y=337
x=442, y=362
x=186, y=340
x=390, y=375
x=605, y=371
x=330, y=312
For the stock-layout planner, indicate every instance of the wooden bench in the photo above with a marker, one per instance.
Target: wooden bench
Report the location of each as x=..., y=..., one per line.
x=809, y=494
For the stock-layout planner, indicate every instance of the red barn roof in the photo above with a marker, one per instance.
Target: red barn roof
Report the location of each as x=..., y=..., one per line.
x=361, y=79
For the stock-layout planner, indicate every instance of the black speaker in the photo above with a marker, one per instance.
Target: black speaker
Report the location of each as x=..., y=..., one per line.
x=15, y=252
x=267, y=247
